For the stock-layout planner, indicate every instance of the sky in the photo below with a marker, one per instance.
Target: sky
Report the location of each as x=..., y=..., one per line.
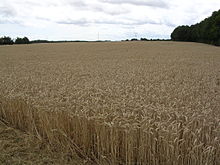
x=100, y=19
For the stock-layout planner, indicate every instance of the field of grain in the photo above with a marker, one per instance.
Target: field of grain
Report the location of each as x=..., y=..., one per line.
x=148, y=103
x=20, y=148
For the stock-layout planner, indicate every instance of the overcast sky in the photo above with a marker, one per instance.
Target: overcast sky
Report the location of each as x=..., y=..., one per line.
x=103, y=19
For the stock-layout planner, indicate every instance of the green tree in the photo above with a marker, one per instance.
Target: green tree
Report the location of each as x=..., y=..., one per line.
x=181, y=33
x=24, y=40
x=207, y=31
x=6, y=41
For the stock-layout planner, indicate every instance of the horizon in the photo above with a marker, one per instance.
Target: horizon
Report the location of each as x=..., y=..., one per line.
x=99, y=20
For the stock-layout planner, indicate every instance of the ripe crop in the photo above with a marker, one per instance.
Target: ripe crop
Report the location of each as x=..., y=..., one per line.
x=153, y=103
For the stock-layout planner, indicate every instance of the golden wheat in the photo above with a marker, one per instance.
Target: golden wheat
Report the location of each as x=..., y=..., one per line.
x=153, y=103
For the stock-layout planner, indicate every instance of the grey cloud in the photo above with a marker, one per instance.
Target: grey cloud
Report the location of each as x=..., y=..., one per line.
x=78, y=4
x=145, y=21
x=110, y=11
x=79, y=22
x=8, y=21
x=168, y=23
x=6, y=11
x=31, y=3
x=151, y=3
x=43, y=19
x=128, y=22
x=97, y=7
x=7, y=15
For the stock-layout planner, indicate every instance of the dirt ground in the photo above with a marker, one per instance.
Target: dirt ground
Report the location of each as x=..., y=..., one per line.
x=19, y=148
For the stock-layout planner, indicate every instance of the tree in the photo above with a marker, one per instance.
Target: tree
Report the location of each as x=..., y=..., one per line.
x=207, y=31
x=24, y=40
x=134, y=39
x=6, y=41
x=143, y=39
x=181, y=33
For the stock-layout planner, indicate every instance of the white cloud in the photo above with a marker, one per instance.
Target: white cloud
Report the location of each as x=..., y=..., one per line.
x=113, y=19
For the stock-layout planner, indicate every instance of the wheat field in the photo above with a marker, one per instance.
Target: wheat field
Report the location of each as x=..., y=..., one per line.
x=118, y=103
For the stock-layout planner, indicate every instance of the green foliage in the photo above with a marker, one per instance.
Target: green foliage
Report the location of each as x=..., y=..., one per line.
x=6, y=41
x=134, y=39
x=24, y=40
x=39, y=41
x=144, y=39
x=207, y=31
x=181, y=33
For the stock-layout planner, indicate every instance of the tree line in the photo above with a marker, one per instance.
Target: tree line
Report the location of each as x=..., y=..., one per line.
x=8, y=41
x=207, y=31
x=145, y=39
